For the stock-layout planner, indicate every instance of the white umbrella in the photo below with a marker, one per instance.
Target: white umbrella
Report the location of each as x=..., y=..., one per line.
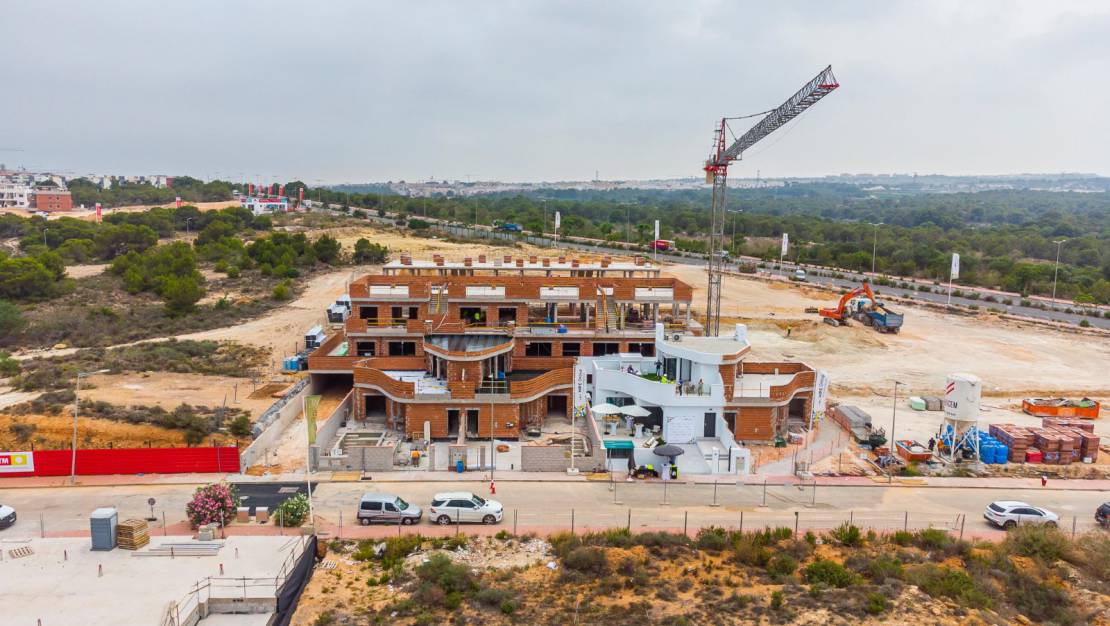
x=635, y=410
x=605, y=409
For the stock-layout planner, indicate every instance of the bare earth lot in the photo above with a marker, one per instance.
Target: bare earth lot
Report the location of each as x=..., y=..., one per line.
x=1013, y=359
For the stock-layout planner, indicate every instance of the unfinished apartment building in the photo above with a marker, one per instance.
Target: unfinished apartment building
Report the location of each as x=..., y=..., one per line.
x=478, y=347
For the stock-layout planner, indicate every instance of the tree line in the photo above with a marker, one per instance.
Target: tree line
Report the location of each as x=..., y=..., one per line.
x=1006, y=238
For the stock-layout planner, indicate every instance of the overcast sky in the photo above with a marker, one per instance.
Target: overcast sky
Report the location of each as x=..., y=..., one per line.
x=358, y=91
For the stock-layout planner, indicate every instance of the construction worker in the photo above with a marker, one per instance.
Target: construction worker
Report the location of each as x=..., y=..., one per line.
x=415, y=457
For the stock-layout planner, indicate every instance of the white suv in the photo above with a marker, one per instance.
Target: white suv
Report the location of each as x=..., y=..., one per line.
x=1009, y=513
x=463, y=506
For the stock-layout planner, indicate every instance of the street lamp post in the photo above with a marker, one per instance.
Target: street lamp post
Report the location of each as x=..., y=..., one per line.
x=44, y=237
x=1056, y=271
x=76, y=408
x=187, y=220
x=875, y=246
x=894, y=416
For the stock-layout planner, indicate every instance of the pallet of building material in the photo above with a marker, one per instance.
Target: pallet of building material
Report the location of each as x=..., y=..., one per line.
x=132, y=534
x=933, y=403
x=1055, y=422
x=21, y=552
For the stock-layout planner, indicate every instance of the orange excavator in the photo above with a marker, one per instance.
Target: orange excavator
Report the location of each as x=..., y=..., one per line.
x=839, y=316
x=867, y=310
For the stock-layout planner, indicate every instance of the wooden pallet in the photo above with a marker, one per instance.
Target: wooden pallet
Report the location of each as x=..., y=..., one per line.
x=132, y=534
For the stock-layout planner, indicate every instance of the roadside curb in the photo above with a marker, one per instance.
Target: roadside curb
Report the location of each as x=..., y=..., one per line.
x=774, y=481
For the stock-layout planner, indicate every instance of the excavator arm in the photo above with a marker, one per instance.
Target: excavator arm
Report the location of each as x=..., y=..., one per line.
x=840, y=313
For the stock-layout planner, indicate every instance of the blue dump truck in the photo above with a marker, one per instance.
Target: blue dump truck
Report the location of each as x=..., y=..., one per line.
x=510, y=227
x=876, y=315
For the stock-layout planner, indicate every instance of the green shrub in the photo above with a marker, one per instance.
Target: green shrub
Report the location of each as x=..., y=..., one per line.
x=778, y=599
x=712, y=538
x=948, y=583
x=324, y=619
x=781, y=565
x=876, y=603
x=282, y=291
x=847, y=535
x=902, y=538
x=240, y=426
x=1044, y=543
x=830, y=573
x=508, y=607
x=291, y=512
x=932, y=539
x=884, y=567
x=449, y=576
x=493, y=597
x=588, y=560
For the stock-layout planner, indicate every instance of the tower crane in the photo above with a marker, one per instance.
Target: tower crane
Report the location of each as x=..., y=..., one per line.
x=716, y=173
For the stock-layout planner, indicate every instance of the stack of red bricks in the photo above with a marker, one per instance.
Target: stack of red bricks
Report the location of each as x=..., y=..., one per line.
x=1082, y=441
x=1049, y=442
x=1017, y=438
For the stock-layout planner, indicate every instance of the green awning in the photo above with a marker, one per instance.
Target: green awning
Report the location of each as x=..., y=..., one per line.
x=622, y=444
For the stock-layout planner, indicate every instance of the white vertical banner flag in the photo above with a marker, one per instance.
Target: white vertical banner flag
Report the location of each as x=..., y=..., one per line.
x=955, y=266
x=657, y=230
x=785, y=244
x=556, y=220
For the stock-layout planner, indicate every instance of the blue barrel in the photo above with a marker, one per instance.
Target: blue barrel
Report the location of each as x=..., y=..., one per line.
x=460, y=466
x=986, y=452
x=1003, y=454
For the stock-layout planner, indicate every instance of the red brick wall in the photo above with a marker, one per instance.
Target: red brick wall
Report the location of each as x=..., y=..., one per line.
x=52, y=201
x=436, y=415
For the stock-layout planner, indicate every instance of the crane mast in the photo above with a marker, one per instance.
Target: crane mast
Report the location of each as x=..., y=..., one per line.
x=716, y=173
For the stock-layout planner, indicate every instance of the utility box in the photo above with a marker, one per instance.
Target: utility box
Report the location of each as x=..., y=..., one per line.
x=102, y=526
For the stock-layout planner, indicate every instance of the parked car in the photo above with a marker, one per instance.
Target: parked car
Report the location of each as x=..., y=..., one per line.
x=799, y=274
x=463, y=506
x=386, y=508
x=1102, y=515
x=7, y=516
x=1009, y=513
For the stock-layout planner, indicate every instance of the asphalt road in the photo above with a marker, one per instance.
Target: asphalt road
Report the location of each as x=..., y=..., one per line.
x=558, y=505
x=852, y=279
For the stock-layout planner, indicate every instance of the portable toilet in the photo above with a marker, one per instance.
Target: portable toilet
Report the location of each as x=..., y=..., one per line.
x=102, y=527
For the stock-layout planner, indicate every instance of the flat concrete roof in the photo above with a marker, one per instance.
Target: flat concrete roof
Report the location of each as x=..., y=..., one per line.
x=59, y=582
x=710, y=345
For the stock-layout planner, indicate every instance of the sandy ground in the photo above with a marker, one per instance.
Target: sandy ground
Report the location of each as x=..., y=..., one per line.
x=56, y=431
x=84, y=271
x=1013, y=359
x=168, y=390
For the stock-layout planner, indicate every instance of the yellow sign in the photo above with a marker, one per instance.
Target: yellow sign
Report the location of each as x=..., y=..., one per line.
x=311, y=405
x=13, y=462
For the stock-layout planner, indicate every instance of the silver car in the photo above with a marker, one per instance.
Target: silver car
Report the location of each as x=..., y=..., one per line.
x=463, y=506
x=386, y=508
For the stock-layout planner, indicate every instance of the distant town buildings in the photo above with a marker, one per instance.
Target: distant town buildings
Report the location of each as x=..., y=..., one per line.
x=265, y=204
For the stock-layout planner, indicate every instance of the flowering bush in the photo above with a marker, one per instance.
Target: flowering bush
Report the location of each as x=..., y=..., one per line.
x=212, y=504
x=292, y=512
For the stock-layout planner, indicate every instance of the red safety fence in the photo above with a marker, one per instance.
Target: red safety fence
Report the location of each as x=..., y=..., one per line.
x=121, y=461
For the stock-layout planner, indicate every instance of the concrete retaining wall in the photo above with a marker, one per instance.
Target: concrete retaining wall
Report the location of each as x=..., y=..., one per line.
x=359, y=458
x=544, y=458
x=279, y=417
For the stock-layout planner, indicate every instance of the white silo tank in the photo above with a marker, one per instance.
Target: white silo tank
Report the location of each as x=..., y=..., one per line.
x=962, y=393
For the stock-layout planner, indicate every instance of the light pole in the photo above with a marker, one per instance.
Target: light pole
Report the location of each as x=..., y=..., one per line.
x=544, y=218
x=187, y=220
x=1056, y=271
x=894, y=416
x=76, y=407
x=875, y=246
x=733, y=246
x=44, y=237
